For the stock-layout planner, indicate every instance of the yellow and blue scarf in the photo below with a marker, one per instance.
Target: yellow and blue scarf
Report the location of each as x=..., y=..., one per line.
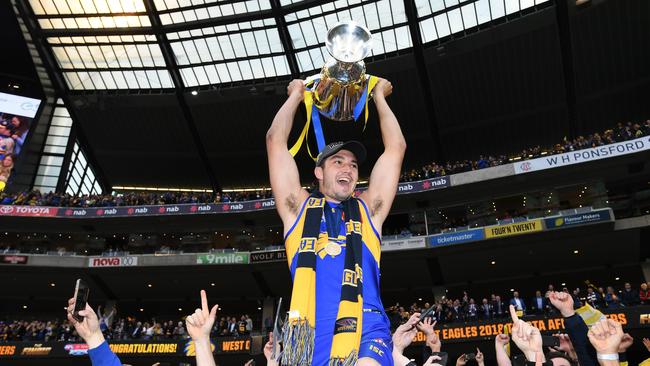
x=298, y=331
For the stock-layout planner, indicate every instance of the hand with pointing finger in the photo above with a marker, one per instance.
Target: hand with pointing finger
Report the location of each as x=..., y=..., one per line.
x=200, y=323
x=480, y=359
x=526, y=337
x=199, y=326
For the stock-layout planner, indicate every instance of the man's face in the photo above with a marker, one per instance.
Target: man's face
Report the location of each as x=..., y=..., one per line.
x=628, y=286
x=644, y=286
x=338, y=175
x=515, y=294
x=538, y=293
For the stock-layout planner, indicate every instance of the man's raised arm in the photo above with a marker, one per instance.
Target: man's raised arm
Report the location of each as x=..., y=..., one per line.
x=285, y=180
x=385, y=174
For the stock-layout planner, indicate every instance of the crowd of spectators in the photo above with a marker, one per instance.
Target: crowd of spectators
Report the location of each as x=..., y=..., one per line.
x=467, y=309
x=118, y=329
x=36, y=198
x=447, y=310
x=622, y=132
x=587, y=342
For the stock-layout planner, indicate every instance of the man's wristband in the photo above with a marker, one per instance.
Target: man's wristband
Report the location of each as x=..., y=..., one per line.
x=607, y=356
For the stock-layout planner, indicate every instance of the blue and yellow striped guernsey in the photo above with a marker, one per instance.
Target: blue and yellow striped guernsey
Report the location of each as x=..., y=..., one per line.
x=330, y=262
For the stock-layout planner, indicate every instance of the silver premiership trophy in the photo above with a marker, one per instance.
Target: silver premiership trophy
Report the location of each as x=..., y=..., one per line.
x=342, y=89
x=341, y=84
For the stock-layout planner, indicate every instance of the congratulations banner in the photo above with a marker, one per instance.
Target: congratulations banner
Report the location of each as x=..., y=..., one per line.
x=583, y=156
x=513, y=229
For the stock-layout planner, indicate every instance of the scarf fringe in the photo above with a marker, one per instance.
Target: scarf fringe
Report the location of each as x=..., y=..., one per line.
x=298, y=343
x=351, y=360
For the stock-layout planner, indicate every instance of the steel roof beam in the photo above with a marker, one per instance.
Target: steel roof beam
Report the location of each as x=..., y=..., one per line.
x=423, y=77
x=285, y=38
x=172, y=67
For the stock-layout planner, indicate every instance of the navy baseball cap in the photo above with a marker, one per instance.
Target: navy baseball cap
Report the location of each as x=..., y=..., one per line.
x=354, y=147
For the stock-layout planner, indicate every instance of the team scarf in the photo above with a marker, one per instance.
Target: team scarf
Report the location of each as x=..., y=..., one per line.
x=298, y=331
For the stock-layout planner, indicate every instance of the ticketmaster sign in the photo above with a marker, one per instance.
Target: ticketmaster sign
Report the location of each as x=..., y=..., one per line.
x=223, y=258
x=457, y=237
x=583, y=156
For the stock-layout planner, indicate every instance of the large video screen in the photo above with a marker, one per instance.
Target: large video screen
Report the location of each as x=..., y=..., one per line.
x=16, y=115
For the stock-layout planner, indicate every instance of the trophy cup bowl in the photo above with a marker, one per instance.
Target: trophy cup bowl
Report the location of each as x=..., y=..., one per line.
x=348, y=42
x=342, y=80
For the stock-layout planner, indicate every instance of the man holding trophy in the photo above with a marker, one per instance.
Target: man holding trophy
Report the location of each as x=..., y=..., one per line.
x=332, y=238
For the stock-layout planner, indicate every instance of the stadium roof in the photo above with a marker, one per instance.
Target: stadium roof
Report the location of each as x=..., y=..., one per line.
x=122, y=44
x=180, y=93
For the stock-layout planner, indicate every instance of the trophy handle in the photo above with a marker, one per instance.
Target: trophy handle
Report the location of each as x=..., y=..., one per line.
x=311, y=79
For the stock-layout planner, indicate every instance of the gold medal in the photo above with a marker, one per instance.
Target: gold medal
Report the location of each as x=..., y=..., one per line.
x=333, y=249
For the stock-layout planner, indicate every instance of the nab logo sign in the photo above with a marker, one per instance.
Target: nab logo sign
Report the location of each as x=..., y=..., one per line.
x=525, y=166
x=405, y=187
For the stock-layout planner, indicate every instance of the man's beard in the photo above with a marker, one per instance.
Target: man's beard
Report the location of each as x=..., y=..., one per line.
x=332, y=192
